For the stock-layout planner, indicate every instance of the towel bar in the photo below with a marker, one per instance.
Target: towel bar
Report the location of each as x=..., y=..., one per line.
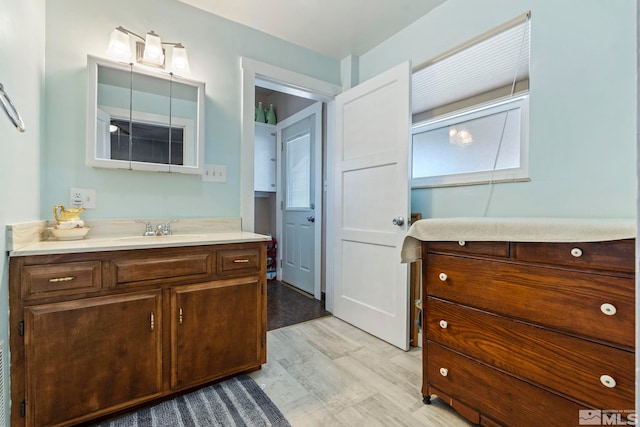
x=11, y=110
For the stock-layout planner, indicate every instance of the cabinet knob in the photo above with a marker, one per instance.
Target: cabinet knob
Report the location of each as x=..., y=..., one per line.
x=607, y=381
x=608, y=309
x=462, y=242
x=576, y=252
x=444, y=372
x=443, y=324
x=443, y=277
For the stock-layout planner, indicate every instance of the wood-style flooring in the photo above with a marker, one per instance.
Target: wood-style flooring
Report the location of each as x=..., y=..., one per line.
x=325, y=372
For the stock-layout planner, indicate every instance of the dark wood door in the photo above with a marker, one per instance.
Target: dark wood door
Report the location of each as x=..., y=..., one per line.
x=216, y=330
x=91, y=355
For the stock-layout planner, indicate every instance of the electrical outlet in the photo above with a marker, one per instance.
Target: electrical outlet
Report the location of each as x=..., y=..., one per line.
x=214, y=173
x=82, y=198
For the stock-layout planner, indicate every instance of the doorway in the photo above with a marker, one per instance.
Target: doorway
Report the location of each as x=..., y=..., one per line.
x=287, y=184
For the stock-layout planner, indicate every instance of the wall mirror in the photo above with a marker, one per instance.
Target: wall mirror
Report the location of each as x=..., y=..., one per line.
x=143, y=119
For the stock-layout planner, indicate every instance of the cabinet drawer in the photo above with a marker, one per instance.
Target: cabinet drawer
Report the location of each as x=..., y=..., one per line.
x=61, y=279
x=499, y=249
x=494, y=393
x=162, y=268
x=616, y=255
x=592, y=305
x=241, y=261
x=569, y=365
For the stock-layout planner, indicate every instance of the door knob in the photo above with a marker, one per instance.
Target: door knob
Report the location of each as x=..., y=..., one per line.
x=399, y=221
x=311, y=218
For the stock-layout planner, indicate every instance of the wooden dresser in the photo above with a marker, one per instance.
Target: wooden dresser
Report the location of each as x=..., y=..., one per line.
x=530, y=334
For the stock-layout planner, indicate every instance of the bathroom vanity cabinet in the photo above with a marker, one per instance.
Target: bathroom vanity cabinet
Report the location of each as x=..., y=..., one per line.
x=98, y=332
x=529, y=334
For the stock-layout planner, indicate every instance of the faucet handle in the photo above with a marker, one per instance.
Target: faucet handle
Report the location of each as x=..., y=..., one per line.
x=149, y=228
x=167, y=226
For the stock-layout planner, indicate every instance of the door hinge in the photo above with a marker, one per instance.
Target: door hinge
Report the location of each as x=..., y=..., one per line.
x=281, y=204
x=262, y=341
x=23, y=409
x=21, y=328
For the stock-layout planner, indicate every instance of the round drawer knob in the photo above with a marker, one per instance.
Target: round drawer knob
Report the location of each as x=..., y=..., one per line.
x=443, y=324
x=462, y=243
x=606, y=381
x=443, y=276
x=444, y=372
x=576, y=252
x=608, y=309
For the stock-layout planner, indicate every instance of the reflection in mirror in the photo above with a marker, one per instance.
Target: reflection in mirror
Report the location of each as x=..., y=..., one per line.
x=143, y=120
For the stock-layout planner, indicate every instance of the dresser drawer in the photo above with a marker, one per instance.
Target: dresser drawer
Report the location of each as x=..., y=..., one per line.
x=509, y=401
x=566, y=364
x=498, y=249
x=616, y=255
x=591, y=305
x=61, y=279
x=240, y=261
x=162, y=267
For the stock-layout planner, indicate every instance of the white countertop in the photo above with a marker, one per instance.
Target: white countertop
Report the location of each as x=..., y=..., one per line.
x=96, y=244
x=113, y=235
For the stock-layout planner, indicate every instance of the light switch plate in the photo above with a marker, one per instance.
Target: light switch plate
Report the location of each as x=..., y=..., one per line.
x=214, y=173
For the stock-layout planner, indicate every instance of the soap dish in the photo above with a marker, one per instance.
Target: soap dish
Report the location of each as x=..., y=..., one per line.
x=76, y=233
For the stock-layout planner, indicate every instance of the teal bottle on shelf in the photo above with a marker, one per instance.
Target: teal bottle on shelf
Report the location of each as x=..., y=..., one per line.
x=260, y=117
x=271, y=115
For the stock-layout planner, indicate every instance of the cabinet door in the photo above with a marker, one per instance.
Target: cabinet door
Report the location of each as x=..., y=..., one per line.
x=87, y=356
x=265, y=158
x=218, y=328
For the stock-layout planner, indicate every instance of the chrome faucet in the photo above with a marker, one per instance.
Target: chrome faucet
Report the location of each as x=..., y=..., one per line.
x=149, y=230
x=161, y=230
x=167, y=227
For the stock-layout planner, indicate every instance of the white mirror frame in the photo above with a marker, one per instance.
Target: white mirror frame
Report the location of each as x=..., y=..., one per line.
x=91, y=159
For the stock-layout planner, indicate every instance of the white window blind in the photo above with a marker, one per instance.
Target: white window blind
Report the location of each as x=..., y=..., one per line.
x=482, y=65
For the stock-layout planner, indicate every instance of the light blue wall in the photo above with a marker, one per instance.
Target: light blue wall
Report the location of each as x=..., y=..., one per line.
x=22, y=74
x=582, y=111
x=76, y=28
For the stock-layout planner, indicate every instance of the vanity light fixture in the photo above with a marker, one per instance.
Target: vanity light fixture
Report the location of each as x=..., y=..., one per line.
x=149, y=51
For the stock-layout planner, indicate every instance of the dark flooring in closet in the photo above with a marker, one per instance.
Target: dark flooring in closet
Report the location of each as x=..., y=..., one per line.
x=287, y=306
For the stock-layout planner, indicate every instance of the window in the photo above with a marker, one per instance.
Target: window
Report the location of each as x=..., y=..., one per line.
x=298, y=163
x=471, y=112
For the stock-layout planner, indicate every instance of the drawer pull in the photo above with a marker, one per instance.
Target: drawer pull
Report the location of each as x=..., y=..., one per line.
x=444, y=372
x=62, y=279
x=608, y=381
x=240, y=261
x=576, y=252
x=180, y=316
x=443, y=277
x=153, y=322
x=608, y=309
x=443, y=324
x=462, y=242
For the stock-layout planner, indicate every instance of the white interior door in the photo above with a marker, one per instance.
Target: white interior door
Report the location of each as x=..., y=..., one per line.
x=300, y=141
x=371, y=194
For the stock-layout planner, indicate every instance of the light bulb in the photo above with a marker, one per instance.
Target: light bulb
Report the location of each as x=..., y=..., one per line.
x=153, y=49
x=119, y=46
x=179, y=61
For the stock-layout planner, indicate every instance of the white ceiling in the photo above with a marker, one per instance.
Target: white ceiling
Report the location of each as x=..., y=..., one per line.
x=336, y=28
